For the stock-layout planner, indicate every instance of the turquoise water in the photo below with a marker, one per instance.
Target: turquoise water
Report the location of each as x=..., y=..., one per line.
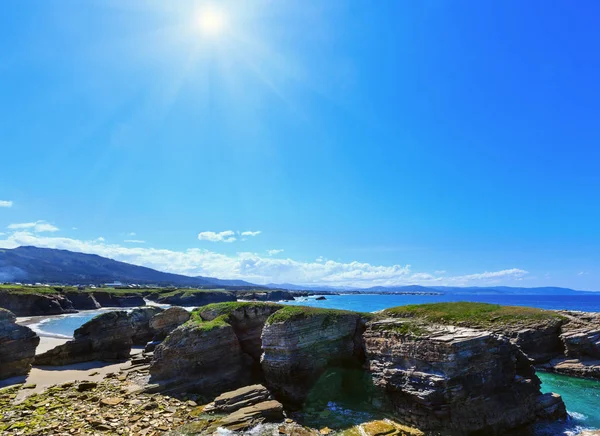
x=372, y=303
x=63, y=326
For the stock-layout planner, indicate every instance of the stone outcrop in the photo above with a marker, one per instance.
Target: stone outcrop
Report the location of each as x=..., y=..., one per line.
x=540, y=342
x=82, y=300
x=112, y=299
x=106, y=337
x=205, y=355
x=165, y=322
x=457, y=380
x=454, y=379
x=195, y=298
x=140, y=320
x=235, y=400
x=17, y=346
x=247, y=320
x=274, y=295
x=267, y=411
x=34, y=304
x=300, y=343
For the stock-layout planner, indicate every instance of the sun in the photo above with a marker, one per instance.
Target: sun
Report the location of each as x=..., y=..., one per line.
x=212, y=21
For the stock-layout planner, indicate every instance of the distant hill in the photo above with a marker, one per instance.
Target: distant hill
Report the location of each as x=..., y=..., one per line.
x=47, y=265
x=454, y=290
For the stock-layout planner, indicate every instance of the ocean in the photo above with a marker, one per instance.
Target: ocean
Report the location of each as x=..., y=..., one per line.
x=582, y=397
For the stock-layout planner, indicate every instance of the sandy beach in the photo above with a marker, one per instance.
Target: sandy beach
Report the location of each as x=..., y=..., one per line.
x=42, y=377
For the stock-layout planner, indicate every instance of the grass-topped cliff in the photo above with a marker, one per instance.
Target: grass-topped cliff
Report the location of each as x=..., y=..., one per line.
x=478, y=315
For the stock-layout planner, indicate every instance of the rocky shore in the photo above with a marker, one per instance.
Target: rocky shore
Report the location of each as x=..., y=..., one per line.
x=453, y=369
x=40, y=301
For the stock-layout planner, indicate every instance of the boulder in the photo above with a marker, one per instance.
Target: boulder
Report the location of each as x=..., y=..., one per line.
x=300, y=343
x=106, y=337
x=140, y=319
x=455, y=379
x=17, y=345
x=246, y=417
x=243, y=397
x=165, y=322
x=24, y=303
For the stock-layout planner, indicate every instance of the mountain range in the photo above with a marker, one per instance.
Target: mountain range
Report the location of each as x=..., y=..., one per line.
x=47, y=265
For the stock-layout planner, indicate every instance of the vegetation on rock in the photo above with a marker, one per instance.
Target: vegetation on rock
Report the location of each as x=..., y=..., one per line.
x=469, y=314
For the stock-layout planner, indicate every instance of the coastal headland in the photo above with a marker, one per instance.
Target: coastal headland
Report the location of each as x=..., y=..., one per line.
x=445, y=368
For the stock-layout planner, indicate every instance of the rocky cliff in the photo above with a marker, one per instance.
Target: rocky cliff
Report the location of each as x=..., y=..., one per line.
x=454, y=379
x=107, y=337
x=17, y=346
x=300, y=343
x=33, y=304
x=435, y=376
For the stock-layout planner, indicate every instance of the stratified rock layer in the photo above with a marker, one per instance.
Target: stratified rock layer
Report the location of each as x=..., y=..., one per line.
x=454, y=379
x=140, y=322
x=17, y=346
x=208, y=357
x=298, y=348
x=33, y=304
x=106, y=337
x=165, y=322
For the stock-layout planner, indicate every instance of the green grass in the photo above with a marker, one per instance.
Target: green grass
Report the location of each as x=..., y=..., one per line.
x=473, y=314
x=288, y=313
x=188, y=292
x=228, y=307
x=405, y=328
x=15, y=289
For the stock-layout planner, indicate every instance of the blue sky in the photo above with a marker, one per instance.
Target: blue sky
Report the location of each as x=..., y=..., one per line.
x=425, y=142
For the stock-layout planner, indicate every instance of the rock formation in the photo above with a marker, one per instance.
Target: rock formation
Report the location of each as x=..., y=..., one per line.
x=195, y=298
x=17, y=346
x=33, y=304
x=112, y=299
x=165, y=322
x=207, y=355
x=426, y=374
x=106, y=337
x=82, y=300
x=455, y=379
x=140, y=319
x=299, y=343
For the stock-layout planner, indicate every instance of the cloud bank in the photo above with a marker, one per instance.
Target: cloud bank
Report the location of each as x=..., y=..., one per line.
x=6, y=203
x=254, y=267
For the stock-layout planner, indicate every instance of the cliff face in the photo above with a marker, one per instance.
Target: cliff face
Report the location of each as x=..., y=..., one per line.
x=17, y=346
x=436, y=377
x=247, y=320
x=451, y=378
x=196, y=299
x=25, y=304
x=300, y=343
x=209, y=356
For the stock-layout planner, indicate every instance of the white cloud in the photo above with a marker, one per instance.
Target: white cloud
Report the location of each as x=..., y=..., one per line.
x=274, y=252
x=581, y=273
x=226, y=236
x=135, y=241
x=6, y=203
x=131, y=234
x=100, y=239
x=250, y=233
x=259, y=269
x=37, y=226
